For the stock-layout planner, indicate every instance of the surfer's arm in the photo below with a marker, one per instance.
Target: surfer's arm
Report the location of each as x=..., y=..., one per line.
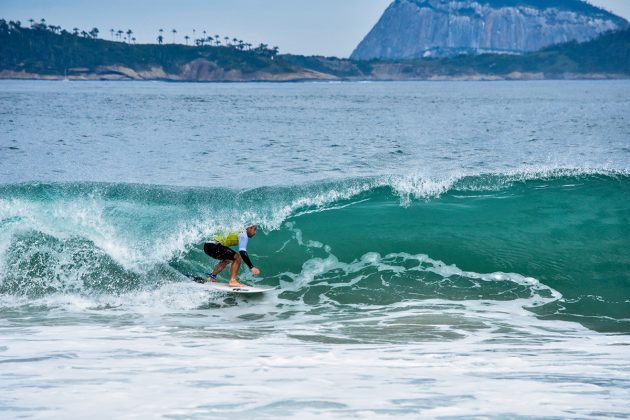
x=245, y=258
x=242, y=250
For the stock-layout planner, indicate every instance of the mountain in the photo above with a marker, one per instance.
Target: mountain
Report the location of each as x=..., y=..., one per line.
x=425, y=28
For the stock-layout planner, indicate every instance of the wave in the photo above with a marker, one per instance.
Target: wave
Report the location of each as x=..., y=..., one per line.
x=554, y=237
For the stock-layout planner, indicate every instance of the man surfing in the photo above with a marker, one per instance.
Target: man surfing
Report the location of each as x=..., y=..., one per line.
x=219, y=249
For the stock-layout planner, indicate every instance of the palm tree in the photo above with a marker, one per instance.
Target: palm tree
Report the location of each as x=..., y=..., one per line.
x=160, y=39
x=31, y=21
x=227, y=41
x=129, y=32
x=111, y=31
x=133, y=39
x=174, y=32
x=42, y=21
x=75, y=31
x=16, y=25
x=119, y=34
x=186, y=38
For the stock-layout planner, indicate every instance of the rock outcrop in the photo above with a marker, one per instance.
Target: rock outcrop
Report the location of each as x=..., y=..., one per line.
x=424, y=28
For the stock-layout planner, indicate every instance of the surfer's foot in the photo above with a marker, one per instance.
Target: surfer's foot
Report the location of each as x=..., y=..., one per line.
x=234, y=283
x=212, y=278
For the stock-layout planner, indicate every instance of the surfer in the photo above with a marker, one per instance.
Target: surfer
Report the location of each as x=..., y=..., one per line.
x=219, y=249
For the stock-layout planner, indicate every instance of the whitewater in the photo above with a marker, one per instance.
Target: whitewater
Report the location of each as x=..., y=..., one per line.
x=440, y=249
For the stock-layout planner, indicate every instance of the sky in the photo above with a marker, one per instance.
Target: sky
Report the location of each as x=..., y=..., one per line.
x=308, y=27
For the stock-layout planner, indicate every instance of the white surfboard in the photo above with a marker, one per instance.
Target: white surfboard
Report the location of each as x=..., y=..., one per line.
x=246, y=289
x=224, y=287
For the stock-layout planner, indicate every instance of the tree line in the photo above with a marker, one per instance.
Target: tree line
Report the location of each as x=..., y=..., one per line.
x=42, y=26
x=218, y=41
x=119, y=35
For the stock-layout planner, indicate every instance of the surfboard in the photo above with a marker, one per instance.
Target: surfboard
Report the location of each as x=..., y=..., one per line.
x=223, y=287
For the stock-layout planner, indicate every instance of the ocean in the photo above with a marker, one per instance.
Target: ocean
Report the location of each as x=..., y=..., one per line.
x=441, y=249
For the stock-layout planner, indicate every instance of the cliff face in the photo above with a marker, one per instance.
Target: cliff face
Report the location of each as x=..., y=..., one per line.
x=423, y=28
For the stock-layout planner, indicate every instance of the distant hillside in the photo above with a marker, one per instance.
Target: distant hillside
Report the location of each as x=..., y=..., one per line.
x=42, y=54
x=434, y=28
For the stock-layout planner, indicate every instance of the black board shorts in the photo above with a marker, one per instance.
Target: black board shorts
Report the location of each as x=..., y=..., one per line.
x=218, y=251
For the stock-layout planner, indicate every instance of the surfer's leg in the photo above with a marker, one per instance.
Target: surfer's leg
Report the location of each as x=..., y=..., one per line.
x=220, y=267
x=218, y=252
x=236, y=264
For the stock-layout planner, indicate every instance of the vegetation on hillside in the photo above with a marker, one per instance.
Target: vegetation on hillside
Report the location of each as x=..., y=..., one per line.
x=49, y=49
x=609, y=53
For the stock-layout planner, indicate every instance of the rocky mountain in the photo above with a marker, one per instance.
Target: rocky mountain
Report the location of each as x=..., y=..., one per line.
x=425, y=28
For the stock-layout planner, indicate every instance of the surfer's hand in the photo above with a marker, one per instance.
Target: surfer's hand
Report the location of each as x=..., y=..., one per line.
x=255, y=271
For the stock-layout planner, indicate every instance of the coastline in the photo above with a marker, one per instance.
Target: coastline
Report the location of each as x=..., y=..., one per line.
x=122, y=73
x=125, y=74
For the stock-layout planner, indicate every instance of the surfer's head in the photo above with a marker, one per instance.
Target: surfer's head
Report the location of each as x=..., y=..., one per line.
x=251, y=230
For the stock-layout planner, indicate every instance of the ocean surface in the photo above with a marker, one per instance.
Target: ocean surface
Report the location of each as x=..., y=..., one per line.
x=440, y=249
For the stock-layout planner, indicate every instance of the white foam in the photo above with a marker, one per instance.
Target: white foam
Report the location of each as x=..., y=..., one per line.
x=215, y=364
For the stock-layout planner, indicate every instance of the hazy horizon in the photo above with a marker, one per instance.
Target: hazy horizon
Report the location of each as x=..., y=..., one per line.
x=306, y=28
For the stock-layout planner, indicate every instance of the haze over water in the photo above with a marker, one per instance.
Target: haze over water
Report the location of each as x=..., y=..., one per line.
x=441, y=249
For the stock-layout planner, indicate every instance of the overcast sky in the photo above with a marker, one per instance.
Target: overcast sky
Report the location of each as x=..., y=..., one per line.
x=318, y=27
